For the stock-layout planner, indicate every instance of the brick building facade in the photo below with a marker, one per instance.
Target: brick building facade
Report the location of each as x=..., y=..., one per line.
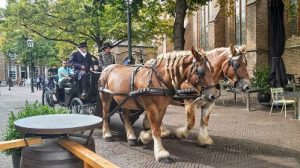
x=17, y=71
x=210, y=28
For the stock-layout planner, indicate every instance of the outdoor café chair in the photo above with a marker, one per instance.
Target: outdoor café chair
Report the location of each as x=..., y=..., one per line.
x=278, y=99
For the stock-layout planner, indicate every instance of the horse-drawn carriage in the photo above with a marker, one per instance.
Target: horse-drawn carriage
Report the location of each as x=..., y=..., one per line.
x=69, y=95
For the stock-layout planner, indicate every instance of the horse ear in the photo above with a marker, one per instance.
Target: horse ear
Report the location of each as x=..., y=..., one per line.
x=243, y=48
x=196, y=55
x=232, y=49
x=193, y=51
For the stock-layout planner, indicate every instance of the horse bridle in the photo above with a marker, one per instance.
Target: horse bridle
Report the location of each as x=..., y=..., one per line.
x=235, y=65
x=200, y=72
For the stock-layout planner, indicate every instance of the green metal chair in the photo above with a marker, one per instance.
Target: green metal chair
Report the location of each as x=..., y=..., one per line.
x=277, y=99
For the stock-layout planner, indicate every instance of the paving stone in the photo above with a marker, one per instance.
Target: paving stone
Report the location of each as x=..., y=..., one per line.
x=241, y=139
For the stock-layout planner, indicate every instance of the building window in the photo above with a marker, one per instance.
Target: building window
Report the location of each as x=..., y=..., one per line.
x=204, y=18
x=23, y=73
x=12, y=72
x=44, y=70
x=240, y=22
x=36, y=72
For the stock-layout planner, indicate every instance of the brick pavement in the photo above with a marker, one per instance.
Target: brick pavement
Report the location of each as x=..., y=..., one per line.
x=242, y=139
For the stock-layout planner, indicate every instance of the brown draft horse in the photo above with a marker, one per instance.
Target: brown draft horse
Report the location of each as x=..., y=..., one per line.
x=228, y=63
x=164, y=75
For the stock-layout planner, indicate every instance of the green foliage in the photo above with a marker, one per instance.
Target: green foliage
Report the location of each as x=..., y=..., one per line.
x=29, y=110
x=261, y=78
x=73, y=21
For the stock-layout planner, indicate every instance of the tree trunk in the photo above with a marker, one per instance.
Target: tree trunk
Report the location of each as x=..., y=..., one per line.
x=181, y=8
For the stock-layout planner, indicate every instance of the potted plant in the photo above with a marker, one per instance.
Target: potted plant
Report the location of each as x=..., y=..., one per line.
x=11, y=133
x=261, y=80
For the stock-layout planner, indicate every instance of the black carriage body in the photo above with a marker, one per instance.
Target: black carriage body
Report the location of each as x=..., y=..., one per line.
x=69, y=97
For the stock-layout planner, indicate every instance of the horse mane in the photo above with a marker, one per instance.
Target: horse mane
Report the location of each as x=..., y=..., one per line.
x=219, y=52
x=173, y=64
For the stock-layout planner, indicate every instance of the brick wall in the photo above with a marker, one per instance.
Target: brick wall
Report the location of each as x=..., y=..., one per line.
x=262, y=44
x=219, y=26
x=189, y=33
x=291, y=56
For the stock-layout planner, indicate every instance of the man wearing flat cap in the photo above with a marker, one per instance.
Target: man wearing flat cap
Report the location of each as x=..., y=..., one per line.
x=82, y=62
x=106, y=57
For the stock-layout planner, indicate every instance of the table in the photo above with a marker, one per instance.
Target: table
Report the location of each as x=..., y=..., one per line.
x=252, y=90
x=249, y=91
x=297, y=96
x=57, y=124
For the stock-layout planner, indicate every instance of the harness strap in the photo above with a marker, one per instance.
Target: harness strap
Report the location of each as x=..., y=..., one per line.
x=117, y=108
x=134, y=72
x=144, y=91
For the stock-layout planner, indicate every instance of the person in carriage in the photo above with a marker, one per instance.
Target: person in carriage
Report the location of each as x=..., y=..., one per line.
x=65, y=74
x=106, y=57
x=82, y=62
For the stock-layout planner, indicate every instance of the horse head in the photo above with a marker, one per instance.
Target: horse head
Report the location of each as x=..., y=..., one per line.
x=199, y=74
x=235, y=68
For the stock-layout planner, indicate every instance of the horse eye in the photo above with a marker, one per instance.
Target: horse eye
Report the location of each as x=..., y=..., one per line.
x=201, y=71
x=236, y=65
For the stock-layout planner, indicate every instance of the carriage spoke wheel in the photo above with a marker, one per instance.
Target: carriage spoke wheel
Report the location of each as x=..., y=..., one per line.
x=76, y=106
x=90, y=109
x=47, y=98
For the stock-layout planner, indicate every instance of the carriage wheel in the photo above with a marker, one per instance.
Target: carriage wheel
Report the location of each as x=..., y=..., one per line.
x=90, y=109
x=76, y=106
x=133, y=117
x=47, y=98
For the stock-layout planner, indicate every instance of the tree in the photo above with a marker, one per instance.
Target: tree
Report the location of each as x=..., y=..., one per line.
x=96, y=21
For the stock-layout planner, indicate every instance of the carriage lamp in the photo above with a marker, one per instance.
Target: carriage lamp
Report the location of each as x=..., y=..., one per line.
x=30, y=44
x=129, y=31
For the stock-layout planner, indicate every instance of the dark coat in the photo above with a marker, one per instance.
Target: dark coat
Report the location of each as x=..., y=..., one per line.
x=77, y=60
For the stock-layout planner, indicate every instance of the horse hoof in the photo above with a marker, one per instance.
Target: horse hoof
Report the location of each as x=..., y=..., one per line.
x=165, y=160
x=170, y=136
x=203, y=145
x=205, y=141
x=108, y=139
x=132, y=142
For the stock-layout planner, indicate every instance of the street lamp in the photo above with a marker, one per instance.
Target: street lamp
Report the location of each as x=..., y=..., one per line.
x=129, y=31
x=30, y=43
x=9, y=69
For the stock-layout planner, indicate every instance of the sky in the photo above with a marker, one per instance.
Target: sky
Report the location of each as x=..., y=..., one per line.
x=2, y=3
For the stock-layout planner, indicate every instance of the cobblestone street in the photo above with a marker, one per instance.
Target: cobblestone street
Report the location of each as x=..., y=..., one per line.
x=241, y=139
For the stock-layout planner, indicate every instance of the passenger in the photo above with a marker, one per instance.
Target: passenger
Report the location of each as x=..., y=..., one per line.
x=106, y=57
x=82, y=62
x=65, y=73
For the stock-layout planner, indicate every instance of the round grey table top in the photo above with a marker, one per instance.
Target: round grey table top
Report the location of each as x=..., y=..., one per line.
x=57, y=124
